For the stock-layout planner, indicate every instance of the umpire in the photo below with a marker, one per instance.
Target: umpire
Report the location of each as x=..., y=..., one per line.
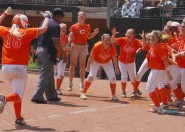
x=48, y=44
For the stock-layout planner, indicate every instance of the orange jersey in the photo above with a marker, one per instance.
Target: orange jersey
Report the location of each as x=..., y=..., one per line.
x=81, y=33
x=127, y=51
x=171, y=41
x=156, y=55
x=101, y=55
x=146, y=48
x=181, y=59
x=16, y=50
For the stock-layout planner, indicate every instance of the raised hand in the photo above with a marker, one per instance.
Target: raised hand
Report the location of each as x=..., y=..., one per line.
x=142, y=34
x=47, y=14
x=8, y=11
x=114, y=31
x=96, y=31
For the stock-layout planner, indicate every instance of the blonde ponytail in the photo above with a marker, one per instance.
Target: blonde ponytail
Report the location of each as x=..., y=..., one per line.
x=15, y=31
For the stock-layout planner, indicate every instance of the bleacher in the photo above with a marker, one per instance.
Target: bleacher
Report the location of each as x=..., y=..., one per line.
x=152, y=9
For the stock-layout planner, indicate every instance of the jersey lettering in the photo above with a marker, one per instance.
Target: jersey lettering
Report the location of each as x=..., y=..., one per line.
x=13, y=41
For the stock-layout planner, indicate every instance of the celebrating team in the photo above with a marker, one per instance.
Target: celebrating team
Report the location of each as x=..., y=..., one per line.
x=165, y=55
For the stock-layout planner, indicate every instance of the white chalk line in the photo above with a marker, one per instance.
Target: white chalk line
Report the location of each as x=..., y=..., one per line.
x=70, y=113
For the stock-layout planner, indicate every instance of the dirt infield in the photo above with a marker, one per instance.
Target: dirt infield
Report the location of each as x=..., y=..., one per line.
x=96, y=114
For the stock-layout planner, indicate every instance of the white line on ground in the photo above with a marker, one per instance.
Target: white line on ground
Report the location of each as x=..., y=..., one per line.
x=70, y=113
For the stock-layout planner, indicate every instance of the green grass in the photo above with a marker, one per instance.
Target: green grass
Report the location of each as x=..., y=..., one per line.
x=33, y=65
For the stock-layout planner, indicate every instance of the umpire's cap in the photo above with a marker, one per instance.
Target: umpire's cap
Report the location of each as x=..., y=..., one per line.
x=58, y=11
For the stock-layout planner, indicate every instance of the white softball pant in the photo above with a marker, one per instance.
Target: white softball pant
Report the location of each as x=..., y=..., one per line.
x=179, y=74
x=173, y=70
x=155, y=80
x=142, y=70
x=61, y=69
x=16, y=76
x=127, y=69
x=108, y=68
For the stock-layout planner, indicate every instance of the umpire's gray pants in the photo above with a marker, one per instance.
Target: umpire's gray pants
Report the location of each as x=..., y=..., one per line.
x=46, y=82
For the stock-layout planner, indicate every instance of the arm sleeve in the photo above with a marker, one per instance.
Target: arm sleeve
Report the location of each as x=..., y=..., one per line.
x=93, y=52
x=72, y=29
x=33, y=33
x=162, y=52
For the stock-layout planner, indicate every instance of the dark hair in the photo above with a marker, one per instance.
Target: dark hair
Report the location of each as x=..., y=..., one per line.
x=58, y=11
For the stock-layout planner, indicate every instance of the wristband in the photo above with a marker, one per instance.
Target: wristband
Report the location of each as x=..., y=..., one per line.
x=48, y=16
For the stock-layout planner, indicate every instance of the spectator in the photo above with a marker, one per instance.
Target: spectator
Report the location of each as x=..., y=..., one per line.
x=167, y=6
x=131, y=8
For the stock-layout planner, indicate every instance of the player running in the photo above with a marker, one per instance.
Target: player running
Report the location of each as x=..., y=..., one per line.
x=15, y=56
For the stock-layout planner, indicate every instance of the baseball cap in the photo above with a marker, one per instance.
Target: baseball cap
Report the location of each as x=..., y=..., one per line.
x=175, y=24
x=58, y=11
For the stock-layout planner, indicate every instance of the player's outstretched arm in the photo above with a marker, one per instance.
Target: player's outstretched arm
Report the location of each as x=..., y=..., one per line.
x=6, y=13
x=44, y=27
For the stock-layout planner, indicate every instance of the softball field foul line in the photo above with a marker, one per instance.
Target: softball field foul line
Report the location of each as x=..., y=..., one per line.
x=70, y=113
x=77, y=112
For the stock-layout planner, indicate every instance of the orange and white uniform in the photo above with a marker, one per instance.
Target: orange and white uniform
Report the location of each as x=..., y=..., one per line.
x=155, y=58
x=126, y=58
x=103, y=58
x=79, y=42
x=62, y=66
x=180, y=73
x=15, y=57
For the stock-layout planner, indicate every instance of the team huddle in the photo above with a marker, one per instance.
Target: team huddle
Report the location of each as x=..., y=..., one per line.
x=165, y=58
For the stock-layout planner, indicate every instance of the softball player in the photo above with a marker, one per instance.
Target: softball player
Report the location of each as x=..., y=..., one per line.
x=61, y=66
x=15, y=56
x=180, y=73
x=102, y=54
x=157, y=58
x=128, y=47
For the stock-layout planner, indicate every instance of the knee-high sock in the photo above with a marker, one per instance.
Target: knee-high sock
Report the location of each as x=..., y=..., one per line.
x=158, y=94
x=154, y=98
x=178, y=94
x=134, y=86
x=181, y=92
x=163, y=93
x=13, y=97
x=86, y=86
x=137, y=84
x=113, y=88
x=17, y=109
x=123, y=86
x=58, y=83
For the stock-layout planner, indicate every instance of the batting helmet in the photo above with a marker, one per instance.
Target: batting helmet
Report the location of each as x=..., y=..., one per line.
x=20, y=20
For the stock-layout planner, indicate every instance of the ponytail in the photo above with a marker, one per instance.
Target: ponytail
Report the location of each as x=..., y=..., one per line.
x=15, y=31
